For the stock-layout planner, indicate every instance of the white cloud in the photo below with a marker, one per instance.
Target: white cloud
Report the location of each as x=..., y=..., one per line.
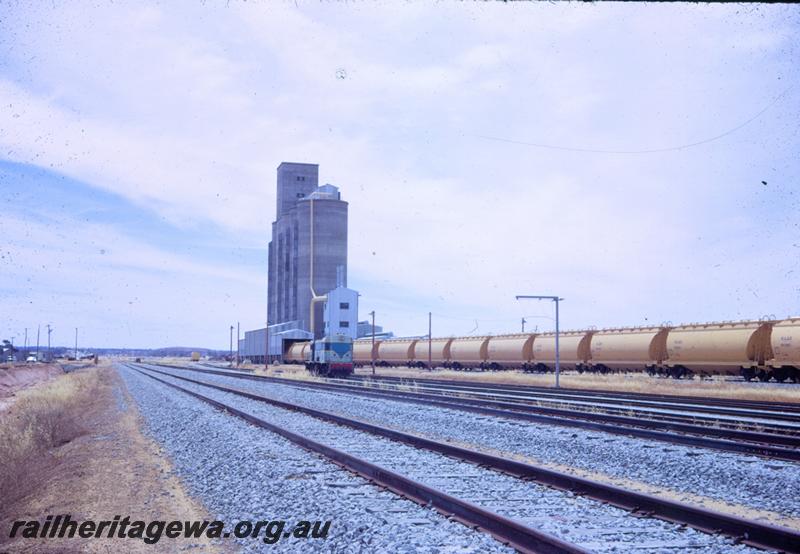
x=116, y=287
x=187, y=110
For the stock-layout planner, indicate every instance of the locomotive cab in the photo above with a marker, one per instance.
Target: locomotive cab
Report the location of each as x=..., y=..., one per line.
x=331, y=356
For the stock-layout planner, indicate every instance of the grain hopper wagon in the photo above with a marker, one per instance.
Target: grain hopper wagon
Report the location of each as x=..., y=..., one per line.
x=741, y=347
x=629, y=349
x=467, y=352
x=296, y=353
x=439, y=350
x=511, y=351
x=574, y=350
x=396, y=352
x=364, y=352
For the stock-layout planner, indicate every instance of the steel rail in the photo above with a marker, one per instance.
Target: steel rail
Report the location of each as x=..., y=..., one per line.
x=780, y=422
x=760, y=535
x=590, y=393
x=517, y=535
x=783, y=424
x=759, y=445
x=551, y=396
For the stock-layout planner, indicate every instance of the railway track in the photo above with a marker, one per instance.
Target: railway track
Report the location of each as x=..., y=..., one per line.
x=638, y=504
x=520, y=537
x=770, y=445
x=727, y=406
x=762, y=416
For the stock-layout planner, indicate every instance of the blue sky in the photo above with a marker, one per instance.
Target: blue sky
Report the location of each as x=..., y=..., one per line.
x=139, y=141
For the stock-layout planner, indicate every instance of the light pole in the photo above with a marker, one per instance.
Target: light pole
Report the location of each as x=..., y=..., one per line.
x=238, y=354
x=555, y=299
x=372, y=350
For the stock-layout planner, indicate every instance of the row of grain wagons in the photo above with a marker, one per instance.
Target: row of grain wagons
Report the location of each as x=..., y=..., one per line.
x=754, y=349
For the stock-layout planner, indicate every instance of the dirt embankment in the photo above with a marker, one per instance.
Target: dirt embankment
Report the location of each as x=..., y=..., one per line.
x=17, y=377
x=72, y=445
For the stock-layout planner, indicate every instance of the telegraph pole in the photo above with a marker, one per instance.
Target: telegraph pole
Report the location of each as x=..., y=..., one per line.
x=38, y=329
x=76, y=343
x=26, y=344
x=523, y=324
x=49, y=355
x=555, y=299
x=237, y=344
x=372, y=351
x=430, y=340
x=231, y=346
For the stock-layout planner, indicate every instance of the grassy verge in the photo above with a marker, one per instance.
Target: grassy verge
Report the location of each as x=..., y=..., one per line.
x=41, y=419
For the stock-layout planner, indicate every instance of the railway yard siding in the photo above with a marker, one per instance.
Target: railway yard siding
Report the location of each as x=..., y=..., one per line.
x=579, y=520
x=766, y=486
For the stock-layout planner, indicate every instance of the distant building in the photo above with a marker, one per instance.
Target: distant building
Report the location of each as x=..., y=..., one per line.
x=252, y=346
x=365, y=331
x=308, y=234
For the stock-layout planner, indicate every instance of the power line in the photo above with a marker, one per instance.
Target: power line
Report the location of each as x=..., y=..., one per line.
x=650, y=151
x=457, y=318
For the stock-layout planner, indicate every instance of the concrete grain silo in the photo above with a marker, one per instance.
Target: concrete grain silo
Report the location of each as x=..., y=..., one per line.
x=308, y=235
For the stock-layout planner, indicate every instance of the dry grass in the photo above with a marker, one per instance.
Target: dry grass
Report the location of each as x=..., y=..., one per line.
x=716, y=387
x=288, y=371
x=40, y=420
x=111, y=468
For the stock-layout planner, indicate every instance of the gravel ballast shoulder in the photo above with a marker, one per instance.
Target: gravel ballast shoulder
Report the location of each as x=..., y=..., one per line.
x=241, y=472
